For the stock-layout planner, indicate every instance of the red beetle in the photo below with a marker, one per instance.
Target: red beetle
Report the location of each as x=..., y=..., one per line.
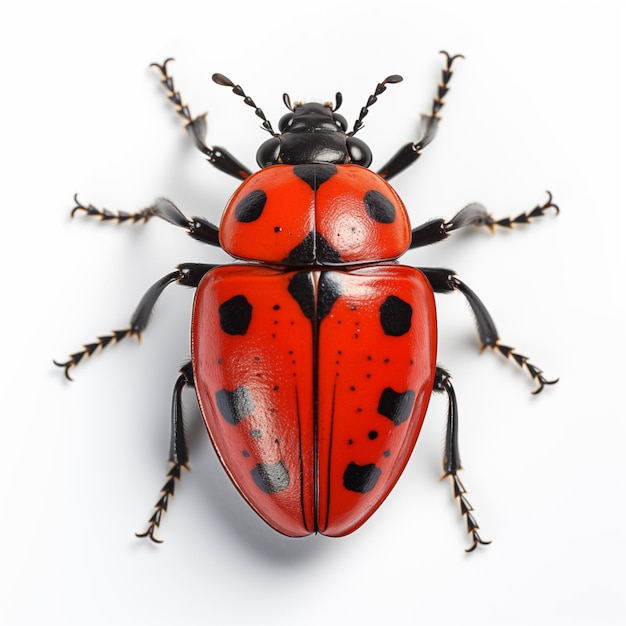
x=314, y=360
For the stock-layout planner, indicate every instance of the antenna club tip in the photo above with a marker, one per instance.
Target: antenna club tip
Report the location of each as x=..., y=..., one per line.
x=220, y=79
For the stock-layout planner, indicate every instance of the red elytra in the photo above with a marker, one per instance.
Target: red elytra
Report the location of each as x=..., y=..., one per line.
x=313, y=386
x=314, y=382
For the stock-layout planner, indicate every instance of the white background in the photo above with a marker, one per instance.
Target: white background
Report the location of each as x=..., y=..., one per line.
x=537, y=104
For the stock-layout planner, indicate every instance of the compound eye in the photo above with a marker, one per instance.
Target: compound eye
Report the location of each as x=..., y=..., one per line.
x=285, y=122
x=340, y=121
x=268, y=152
x=359, y=152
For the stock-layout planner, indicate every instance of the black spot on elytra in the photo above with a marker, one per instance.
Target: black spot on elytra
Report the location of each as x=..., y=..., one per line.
x=234, y=405
x=361, y=478
x=235, y=315
x=301, y=290
x=379, y=207
x=251, y=206
x=396, y=406
x=313, y=247
x=324, y=252
x=330, y=290
x=315, y=175
x=271, y=477
x=303, y=253
x=395, y=316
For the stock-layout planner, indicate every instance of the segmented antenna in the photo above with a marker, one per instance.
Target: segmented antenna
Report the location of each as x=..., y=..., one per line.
x=220, y=79
x=394, y=78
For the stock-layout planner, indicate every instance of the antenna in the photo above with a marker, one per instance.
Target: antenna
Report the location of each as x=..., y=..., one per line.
x=220, y=79
x=394, y=78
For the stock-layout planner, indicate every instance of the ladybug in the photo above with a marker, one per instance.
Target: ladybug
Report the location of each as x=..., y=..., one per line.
x=315, y=355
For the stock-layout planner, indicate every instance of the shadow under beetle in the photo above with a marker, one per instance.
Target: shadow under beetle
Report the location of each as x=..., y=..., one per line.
x=314, y=360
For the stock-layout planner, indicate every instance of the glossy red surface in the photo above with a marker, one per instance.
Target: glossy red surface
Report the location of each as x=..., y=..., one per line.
x=314, y=385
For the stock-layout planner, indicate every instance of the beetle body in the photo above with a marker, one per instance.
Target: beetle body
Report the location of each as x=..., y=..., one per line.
x=314, y=380
x=313, y=385
x=314, y=357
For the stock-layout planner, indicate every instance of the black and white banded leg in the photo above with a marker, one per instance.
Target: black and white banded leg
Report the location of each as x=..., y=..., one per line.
x=187, y=274
x=197, y=227
x=445, y=281
x=474, y=214
x=179, y=453
x=410, y=152
x=197, y=127
x=452, y=459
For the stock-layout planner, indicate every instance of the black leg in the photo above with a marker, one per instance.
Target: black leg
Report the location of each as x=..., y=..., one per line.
x=179, y=455
x=474, y=214
x=219, y=157
x=409, y=153
x=451, y=458
x=445, y=281
x=187, y=274
x=197, y=227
